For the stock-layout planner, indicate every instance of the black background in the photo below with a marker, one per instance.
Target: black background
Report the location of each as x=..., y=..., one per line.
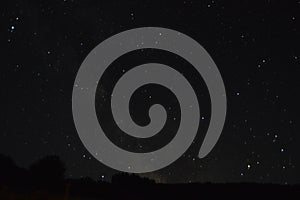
x=255, y=45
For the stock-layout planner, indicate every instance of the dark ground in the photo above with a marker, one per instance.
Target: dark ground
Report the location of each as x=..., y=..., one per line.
x=45, y=180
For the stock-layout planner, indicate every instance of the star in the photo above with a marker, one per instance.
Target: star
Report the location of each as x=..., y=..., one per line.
x=42, y=59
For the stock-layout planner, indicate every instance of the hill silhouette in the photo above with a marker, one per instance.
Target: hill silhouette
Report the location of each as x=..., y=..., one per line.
x=45, y=179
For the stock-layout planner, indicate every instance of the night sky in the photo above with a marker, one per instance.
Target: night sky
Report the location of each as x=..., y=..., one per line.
x=255, y=44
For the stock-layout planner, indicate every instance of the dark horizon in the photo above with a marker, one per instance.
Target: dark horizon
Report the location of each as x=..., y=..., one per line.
x=45, y=179
x=7, y=163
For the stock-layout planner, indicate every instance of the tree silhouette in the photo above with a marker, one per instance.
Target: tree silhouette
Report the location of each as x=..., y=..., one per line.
x=131, y=179
x=10, y=173
x=45, y=180
x=49, y=172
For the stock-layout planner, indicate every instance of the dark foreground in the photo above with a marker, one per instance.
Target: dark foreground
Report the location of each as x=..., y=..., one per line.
x=155, y=191
x=45, y=180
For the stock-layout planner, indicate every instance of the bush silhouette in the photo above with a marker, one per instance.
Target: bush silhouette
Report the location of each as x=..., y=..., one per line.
x=45, y=180
x=49, y=171
x=10, y=174
x=131, y=179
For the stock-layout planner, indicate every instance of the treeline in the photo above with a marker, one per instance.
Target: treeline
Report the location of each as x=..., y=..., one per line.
x=45, y=179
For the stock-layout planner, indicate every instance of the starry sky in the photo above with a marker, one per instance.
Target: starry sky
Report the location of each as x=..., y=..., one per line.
x=255, y=44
